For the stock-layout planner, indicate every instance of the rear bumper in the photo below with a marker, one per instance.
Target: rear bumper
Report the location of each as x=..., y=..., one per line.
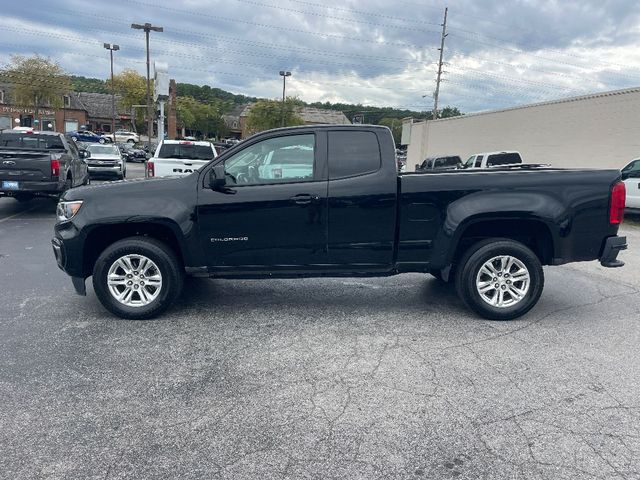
x=613, y=246
x=33, y=187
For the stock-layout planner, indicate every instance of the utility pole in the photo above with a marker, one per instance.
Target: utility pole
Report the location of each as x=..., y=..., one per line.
x=147, y=27
x=284, y=76
x=440, y=63
x=111, y=47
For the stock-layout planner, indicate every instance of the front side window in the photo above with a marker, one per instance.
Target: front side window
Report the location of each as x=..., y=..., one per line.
x=353, y=153
x=469, y=162
x=632, y=167
x=478, y=161
x=275, y=160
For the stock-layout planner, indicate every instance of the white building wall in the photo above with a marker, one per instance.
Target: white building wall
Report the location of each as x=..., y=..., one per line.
x=599, y=131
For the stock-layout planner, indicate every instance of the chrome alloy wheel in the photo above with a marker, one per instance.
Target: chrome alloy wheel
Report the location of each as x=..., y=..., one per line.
x=134, y=280
x=503, y=281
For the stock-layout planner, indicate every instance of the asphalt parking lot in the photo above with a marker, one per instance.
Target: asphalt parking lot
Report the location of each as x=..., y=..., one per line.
x=314, y=378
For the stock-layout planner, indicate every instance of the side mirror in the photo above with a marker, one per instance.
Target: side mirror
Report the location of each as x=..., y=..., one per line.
x=217, y=179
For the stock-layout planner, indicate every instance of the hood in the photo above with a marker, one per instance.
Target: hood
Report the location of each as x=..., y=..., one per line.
x=141, y=189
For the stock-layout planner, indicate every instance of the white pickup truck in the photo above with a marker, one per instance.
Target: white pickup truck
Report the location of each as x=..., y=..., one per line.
x=492, y=159
x=180, y=157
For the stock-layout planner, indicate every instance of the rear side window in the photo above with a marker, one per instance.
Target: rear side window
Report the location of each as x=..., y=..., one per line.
x=186, y=151
x=353, y=153
x=503, y=159
x=31, y=140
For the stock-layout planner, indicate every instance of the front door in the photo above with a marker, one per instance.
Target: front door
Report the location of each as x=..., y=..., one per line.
x=273, y=212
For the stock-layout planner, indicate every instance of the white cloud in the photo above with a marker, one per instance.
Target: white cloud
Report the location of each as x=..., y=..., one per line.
x=379, y=53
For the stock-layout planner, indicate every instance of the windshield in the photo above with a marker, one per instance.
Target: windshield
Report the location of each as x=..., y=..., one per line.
x=103, y=149
x=31, y=140
x=186, y=151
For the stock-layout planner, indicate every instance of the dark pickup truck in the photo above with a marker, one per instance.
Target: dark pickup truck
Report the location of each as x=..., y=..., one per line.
x=39, y=163
x=328, y=201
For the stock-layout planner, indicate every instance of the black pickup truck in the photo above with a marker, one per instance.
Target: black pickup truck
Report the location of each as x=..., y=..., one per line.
x=328, y=201
x=39, y=163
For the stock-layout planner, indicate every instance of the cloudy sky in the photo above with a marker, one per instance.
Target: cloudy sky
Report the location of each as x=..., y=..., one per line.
x=376, y=52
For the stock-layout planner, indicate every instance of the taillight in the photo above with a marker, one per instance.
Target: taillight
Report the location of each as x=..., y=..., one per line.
x=55, y=166
x=151, y=169
x=618, y=198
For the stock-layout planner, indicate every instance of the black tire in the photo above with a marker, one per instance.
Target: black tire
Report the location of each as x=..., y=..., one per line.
x=167, y=262
x=102, y=140
x=480, y=253
x=131, y=140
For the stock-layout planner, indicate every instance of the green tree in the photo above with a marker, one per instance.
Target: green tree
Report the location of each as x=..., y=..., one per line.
x=448, y=112
x=267, y=114
x=132, y=88
x=395, y=125
x=36, y=81
x=203, y=117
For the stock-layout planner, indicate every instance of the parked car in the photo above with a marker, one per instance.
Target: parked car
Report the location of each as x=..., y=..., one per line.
x=126, y=136
x=492, y=159
x=131, y=153
x=342, y=211
x=38, y=163
x=105, y=160
x=631, y=177
x=450, y=162
x=88, y=137
x=180, y=157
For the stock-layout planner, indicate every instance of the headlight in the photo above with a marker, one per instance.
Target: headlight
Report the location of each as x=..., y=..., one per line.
x=67, y=210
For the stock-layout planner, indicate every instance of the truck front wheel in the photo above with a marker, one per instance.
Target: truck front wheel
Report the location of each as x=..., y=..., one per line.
x=137, y=278
x=500, y=279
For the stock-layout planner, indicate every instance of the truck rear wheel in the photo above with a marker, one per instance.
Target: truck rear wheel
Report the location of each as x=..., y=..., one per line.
x=500, y=279
x=137, y=278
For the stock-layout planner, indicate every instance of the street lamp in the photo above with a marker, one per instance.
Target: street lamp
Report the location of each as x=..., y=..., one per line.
x=284, y=74
x=111, y=47
x=147, y=27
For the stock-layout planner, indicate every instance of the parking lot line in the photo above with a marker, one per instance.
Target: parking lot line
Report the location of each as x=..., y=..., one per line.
x=17, y=214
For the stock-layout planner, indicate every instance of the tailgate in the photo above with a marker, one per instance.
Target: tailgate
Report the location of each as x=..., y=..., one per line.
x=165, y=167
x=25, y=166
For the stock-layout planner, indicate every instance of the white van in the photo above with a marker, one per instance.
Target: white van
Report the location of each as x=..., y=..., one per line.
x=180, y=157
x=492, y=159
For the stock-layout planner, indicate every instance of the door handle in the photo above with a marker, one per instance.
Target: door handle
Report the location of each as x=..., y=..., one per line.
x=304, y=199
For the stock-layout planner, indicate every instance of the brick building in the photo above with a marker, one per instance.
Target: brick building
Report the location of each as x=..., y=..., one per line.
x=236, y=120
x=79, y=110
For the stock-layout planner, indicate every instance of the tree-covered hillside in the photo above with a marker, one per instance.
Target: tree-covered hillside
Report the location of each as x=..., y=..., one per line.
x=227, y=100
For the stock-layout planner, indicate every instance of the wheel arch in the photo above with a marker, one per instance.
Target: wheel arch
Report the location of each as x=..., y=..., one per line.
x=101, y=236
x=532, y=232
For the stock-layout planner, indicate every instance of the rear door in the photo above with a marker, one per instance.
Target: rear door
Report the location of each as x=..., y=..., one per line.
x=362, y=201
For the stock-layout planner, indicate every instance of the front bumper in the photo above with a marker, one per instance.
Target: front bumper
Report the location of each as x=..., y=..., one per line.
x=106, y=171
x=61, y=259
x=613, y=246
